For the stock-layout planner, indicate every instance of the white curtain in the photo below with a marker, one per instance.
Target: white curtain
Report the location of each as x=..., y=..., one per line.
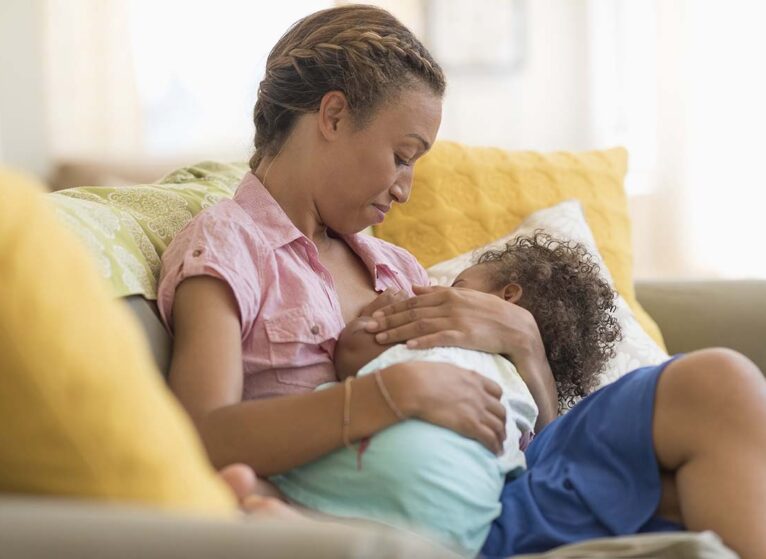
x=169, y=80
x=93, y=103
x=681, y=84
x=725, y=182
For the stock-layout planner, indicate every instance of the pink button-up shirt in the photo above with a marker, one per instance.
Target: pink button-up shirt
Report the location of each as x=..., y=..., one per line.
x=288, y=306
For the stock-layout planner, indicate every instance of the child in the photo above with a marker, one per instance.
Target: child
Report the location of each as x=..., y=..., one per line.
x=432, y=480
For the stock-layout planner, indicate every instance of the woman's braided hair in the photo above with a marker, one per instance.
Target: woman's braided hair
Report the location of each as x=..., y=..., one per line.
x=571, y=303
x=362, y=51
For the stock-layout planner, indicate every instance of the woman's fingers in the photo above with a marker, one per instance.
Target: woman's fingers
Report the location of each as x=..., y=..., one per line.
x=488, y=438
x=449, y=338
x=423, y=289
x=495, y=416
x=384, y=299
x=412, y=330
x=497, y=409
x=498, y=428
x=431, y=299
x=494, y=389
x=464, y=401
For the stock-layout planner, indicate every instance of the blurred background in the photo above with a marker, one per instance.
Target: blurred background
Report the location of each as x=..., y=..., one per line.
x=110, y=92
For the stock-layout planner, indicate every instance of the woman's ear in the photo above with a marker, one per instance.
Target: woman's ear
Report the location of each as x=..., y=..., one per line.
x=332, y=110
x=512, y=293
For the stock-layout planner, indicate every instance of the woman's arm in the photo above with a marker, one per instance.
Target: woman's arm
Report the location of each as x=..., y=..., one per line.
x=277, y=434
x=439, y=316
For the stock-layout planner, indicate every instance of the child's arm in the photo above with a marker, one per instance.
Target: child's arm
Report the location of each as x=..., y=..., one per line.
x=355, y=348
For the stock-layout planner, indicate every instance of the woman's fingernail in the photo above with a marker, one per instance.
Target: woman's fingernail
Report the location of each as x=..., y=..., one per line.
x=377, y=314
x=370, y=325
x=382, y=337
x=412, y=343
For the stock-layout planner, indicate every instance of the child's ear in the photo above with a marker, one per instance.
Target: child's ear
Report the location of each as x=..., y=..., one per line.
x=512, y=293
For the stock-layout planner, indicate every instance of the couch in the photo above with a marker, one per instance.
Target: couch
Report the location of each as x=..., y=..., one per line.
x=690, y=314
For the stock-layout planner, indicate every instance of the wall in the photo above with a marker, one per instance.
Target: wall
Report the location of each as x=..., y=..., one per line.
x=543, y=105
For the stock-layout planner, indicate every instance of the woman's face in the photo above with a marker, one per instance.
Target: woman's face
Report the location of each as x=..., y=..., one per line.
x=371, y=168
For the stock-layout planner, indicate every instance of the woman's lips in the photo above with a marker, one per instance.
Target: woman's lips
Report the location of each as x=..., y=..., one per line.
x=381, y=212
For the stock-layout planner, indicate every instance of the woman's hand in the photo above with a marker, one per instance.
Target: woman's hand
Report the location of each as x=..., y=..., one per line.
x=384, y=299
x=453, y=316
x=451, y=397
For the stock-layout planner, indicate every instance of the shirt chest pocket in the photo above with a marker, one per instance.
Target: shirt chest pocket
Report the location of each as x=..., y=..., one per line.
x=299, y=337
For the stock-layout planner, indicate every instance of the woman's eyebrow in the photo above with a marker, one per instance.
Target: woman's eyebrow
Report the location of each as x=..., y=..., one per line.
x=426, y=145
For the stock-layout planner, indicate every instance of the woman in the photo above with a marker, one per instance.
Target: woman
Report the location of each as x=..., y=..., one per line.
x=257, y=289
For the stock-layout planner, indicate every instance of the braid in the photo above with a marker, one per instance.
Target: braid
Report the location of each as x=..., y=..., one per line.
x=361, y=51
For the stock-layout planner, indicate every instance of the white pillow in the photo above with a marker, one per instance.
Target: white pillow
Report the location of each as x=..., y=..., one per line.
x=566, y=221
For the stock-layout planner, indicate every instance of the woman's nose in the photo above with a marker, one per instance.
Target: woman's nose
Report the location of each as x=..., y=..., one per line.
x=401, y=189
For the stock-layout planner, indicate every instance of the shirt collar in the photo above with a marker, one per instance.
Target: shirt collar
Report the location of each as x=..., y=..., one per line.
x=368, y=249
x=268, y=215
x=278, y=230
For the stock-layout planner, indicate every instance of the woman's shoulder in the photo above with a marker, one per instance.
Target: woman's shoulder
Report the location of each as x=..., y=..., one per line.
x=222, y=225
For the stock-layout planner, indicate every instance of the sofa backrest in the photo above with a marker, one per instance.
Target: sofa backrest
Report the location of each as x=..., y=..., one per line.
x=148, y=317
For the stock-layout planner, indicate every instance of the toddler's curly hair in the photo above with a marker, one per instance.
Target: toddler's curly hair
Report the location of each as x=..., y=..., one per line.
x=572, y=305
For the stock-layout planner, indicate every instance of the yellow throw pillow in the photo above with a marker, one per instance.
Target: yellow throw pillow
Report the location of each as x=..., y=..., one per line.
x=465, y=197
x=83, y=410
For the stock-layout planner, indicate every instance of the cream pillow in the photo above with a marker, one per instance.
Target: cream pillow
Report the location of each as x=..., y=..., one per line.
x=566, y=221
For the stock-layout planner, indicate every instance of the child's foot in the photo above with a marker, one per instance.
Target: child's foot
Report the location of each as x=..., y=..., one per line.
x=255, y=496
x=268, y=506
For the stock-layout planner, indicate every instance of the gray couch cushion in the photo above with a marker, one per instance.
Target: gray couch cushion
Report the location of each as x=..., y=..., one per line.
x=158, y=338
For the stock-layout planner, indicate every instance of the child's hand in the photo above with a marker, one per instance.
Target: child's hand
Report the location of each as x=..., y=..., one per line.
x=355, y=348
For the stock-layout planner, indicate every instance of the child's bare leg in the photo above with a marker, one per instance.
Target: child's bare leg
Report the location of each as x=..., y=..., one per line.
x=710, y=431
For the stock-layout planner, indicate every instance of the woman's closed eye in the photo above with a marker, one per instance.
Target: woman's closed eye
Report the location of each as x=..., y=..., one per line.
x=401, y=161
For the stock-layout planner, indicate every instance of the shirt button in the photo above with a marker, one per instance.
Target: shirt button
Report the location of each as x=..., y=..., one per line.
x=197, y=252
x=315, y=329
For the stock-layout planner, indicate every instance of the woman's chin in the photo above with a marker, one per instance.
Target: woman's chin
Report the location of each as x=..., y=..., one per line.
x=353, y=228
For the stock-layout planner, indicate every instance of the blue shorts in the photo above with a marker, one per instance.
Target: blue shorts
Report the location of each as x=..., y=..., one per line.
x=591, y=473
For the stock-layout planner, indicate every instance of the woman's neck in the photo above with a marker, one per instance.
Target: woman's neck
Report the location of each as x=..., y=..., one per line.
x=286, y=181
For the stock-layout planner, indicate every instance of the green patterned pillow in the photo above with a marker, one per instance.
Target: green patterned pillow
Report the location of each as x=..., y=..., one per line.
x=128, y=228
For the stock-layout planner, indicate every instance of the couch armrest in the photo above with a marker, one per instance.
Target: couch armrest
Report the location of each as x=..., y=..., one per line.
x=697, y=314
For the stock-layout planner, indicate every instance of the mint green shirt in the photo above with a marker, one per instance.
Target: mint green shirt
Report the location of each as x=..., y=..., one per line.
x=418, y=476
